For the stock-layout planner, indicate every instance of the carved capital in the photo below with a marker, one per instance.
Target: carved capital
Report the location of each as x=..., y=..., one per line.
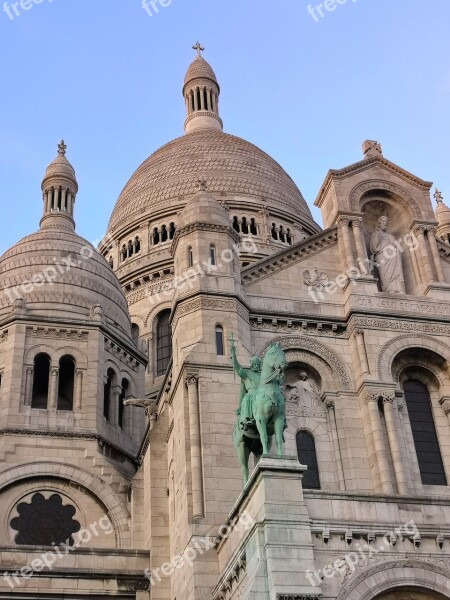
x=343, y=222
x=54, y=371
x=330, y=404
x=445, y=403
x=388, y=397
x=191, y=379
x=359, y=332
x=372, y=396
x=419, y=229
x=357, y=222
x=79, y=374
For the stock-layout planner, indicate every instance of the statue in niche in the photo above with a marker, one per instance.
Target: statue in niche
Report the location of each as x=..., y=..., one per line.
x=384, y=247
x=304, y=392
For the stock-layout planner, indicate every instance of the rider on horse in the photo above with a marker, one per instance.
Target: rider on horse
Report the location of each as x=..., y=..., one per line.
x=250, y=380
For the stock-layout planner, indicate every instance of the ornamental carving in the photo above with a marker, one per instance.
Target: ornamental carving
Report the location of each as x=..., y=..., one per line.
x=402, y=196
x=387, y=353
x=394, y=325
x=376, y=564
x=315, y=279
x=56, y=333
x=203, y=303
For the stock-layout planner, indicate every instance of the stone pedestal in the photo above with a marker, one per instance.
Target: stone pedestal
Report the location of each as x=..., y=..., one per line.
x=266, y=548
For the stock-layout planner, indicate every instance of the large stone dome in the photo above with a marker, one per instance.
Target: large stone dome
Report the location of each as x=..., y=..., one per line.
x=56, y=270
x=230, y=165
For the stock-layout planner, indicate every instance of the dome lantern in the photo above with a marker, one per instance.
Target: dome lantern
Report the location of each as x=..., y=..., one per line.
x=201, y=93
x=442, y=214
x=59, y=188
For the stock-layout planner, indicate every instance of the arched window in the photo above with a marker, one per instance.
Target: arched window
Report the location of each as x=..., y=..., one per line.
x=111, y=262
x=424, y=433
x=123, y=395
x=274, y=231
x=244, y=226
x=66, y=383
x=219, y=341
x=164, y=234
x=110, y=378
x=190, y=257
x=212, y=254
x=41, y=375
x=306, y=449
x=134, y=331
x=123, y=253
x=155, y=236
x=172, y=231
x=253, y=228
x=163, y=342
x=137, y=244
x=236, y=226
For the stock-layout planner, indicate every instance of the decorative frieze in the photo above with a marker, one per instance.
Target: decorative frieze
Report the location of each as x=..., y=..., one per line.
x=121, y=353
x=57, y=333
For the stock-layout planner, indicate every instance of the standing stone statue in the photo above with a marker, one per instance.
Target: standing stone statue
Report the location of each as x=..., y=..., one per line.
x=250, y=379
x=386, y=253
x=304, y=392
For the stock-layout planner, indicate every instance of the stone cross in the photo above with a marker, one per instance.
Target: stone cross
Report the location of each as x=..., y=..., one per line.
x=199, y=48
x=62, y=148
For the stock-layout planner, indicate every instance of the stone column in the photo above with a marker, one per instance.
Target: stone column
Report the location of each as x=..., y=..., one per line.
x=397, y=459
x=195, y=100
x=53, y=388
x=416, y=269
x=202, y=98
x=425, y=259
x=344, y=234
x=435, y=255
x=208, y=99
x=187, y=105
x=330, y=404
x=64, y=200
x=360, y=244
x=198, y=510
x=78, y=392
x=378, y=440
x=50, y=200
x=28, y=386
x=359, y=336
x=116, y=390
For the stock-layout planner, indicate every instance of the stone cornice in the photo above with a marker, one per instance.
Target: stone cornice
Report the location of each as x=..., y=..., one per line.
x=94, y=437
x=362, y=165
x=290, y=256
x=200, y=226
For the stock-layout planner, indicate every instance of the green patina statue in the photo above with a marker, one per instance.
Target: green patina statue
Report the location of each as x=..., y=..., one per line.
x=261, y=413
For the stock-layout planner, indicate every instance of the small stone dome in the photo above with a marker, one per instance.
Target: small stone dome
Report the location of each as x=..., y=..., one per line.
x=200, y=69
x=60, y=167
x=203, y=208
x=55, y=271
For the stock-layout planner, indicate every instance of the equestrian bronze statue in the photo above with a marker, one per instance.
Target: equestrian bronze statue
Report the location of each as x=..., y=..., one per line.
x=261, y=413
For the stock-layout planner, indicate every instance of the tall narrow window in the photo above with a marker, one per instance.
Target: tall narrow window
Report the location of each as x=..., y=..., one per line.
x=306, y=449
x=236, y=226
x=212, y=254
x=219, y=341
x=424, y=433
x=39, y=398
x=66, y=383
x=190, y=257
x=123, y=395
x=163, y=342
x=110, y=377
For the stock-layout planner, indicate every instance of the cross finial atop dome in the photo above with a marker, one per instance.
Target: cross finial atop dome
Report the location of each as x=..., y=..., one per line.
x=199, y=48
x=62, y=148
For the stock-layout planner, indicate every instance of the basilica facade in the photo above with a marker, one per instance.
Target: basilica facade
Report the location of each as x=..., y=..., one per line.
x=118, y=474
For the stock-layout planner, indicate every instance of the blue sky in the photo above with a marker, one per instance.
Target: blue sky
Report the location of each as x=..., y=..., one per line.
x=107, y=77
